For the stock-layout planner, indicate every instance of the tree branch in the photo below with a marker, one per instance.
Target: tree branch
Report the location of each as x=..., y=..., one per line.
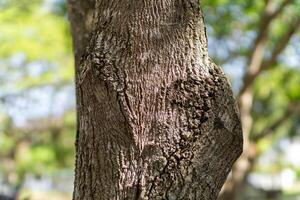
x=267, y=17
x=256, y=57
x=291, y=110
x=268, y=64
x=283, y=42
x=80, y=14
x=281, y=7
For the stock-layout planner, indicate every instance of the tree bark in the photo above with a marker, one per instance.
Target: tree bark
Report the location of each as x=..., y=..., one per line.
x=156, y=117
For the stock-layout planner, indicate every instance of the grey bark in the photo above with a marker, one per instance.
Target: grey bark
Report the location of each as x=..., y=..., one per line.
x=156, y=117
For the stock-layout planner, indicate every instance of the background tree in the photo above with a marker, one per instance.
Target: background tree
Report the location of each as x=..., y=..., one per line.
x=156, y=117
x=256, y=41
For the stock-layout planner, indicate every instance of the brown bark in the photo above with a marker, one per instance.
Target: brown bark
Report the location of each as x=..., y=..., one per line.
x=156, y=117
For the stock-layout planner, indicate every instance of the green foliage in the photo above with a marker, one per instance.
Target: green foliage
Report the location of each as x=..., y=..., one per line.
x=33, y=35
x=32, y=31
x=6, y=144
x=37, y=160
x=35, y=52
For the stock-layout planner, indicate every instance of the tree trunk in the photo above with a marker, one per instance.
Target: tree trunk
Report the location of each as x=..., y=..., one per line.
x=234, y=187
x=156, y=117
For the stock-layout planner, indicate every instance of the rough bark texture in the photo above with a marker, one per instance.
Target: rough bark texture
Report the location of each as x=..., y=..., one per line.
x=156, y=117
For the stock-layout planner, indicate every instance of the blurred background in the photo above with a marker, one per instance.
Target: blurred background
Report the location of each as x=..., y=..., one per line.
x=256, y=42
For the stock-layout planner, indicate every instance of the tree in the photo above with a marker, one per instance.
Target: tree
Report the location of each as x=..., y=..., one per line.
x=270, y=80
x=156, y=117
